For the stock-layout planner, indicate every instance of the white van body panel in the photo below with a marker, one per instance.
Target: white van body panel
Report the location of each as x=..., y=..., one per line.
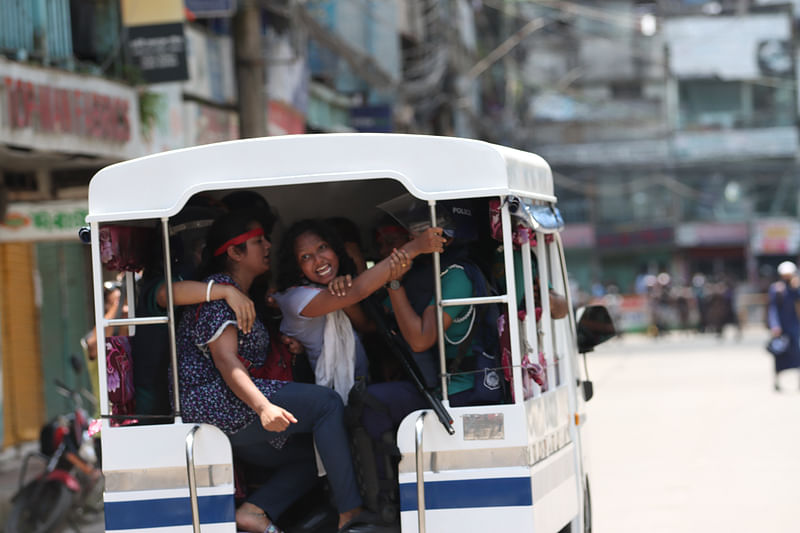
x=146, y=479
x=425, y=165
x=515, y=467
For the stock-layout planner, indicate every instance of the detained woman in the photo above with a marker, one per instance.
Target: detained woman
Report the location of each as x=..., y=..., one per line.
x=270, y=423
x=325, y=319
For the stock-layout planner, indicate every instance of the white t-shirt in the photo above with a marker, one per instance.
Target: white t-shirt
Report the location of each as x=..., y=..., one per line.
x=310, y=330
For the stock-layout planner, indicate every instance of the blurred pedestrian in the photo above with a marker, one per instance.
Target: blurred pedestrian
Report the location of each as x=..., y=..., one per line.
x=700, y=294
x=782, y=319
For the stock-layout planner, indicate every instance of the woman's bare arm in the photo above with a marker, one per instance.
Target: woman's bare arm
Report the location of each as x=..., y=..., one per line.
x=194, y=292
x=224, y=354
x=418, y=331
x=429, y=241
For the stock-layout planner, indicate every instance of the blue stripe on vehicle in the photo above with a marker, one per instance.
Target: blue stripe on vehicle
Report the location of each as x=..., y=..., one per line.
x=168, y=512
x=466, y=493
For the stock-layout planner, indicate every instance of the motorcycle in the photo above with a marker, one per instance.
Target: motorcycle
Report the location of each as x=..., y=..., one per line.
x=70, y=486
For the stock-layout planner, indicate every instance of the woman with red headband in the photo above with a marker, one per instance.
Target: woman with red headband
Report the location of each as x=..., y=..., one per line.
x=270, y=423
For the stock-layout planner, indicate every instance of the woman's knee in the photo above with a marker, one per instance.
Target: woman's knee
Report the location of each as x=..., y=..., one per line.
x=321, y=400
x=330, y=400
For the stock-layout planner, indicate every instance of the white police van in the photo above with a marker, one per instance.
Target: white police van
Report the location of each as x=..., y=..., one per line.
x=519, y=466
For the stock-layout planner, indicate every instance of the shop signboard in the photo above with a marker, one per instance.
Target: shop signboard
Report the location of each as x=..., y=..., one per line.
x=775, y=237
x=576, y=236
x=711, y=234
x=43, y=221
x=635, y=238
x=159, y=52
x=155, y=39
x=371, y=119
x=49, y=110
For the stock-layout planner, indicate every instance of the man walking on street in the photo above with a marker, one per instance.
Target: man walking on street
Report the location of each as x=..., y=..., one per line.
x=783, y=321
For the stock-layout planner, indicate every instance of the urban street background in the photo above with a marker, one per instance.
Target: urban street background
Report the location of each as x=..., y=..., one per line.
x=671, y=126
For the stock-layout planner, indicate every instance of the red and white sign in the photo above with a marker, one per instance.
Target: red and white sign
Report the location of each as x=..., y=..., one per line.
x=284, y=119
x=578, y=236
x=775, y=237
x=45, y=109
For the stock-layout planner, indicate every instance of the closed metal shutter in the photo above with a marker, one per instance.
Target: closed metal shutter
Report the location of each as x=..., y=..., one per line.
x=64, y=317
x=23, y=400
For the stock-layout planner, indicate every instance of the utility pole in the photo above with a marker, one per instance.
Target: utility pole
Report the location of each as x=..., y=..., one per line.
x=250, y=72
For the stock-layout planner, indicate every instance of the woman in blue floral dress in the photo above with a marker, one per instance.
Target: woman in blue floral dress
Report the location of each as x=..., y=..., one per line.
x=270, y=423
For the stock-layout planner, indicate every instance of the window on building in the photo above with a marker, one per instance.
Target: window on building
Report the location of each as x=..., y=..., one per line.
x=631, y=90
x=20, y=181
x=73, y=178
x=716, y=104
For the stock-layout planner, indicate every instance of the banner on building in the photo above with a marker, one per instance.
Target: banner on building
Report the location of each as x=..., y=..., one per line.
x=155, y=39
x=43, y=221
x=775, y=237
x=711, y=234
x=50, y=110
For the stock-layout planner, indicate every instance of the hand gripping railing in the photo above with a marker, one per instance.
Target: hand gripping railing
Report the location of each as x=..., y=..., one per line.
x=419, y=426
x=192, y=479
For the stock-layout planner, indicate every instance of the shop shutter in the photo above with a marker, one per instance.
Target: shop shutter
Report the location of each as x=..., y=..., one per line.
x=23, y=405
x=64, y=317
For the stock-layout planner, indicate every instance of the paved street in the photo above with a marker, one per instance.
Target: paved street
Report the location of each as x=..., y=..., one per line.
x=688, y=435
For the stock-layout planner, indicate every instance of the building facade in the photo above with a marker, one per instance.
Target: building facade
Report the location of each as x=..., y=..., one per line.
x=87, y=83
x=672, y=127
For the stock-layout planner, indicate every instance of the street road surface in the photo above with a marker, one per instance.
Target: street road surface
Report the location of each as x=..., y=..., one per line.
x=688, y=435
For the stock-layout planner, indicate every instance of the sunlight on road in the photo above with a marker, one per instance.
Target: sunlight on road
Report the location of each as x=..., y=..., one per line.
x=688, y=435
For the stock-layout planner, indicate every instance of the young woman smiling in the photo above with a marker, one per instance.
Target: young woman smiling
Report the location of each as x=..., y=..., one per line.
x=311, y=257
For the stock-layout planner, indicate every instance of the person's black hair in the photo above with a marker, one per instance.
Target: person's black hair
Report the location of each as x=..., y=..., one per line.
x=253, y=203
x=346, y=228
x=289, y=273
x=223, y=229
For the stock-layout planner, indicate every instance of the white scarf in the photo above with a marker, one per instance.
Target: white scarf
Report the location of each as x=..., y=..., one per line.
x=336, y=364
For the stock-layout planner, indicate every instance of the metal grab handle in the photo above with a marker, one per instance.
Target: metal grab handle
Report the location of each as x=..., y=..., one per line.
x=192, y=479
x=476, y=300
x=141, y=321
x=419, y=426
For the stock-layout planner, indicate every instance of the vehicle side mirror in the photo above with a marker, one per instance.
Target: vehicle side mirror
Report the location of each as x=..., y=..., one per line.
x=588, y=390
x=594, y=327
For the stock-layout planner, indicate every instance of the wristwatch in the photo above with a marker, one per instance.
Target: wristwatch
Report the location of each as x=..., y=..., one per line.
x=394, y=284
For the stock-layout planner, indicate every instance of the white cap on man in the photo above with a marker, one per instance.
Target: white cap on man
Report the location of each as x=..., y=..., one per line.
x=787, y=268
